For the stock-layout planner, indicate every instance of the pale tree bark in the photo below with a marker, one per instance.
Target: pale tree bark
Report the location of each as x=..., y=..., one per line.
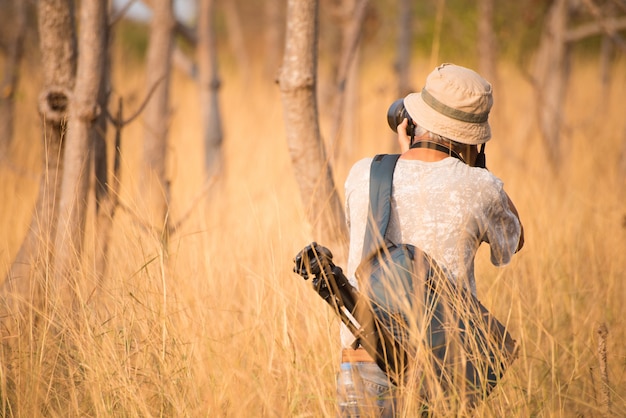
x=606, y=58
x=8, y=85
x=83, y=111
x=607, y=23
x=209, y=88
x=298, y=81
x=610, y=37
x=487, y=47
x=402, y=65
x=622, y=166
x=58, y=63
x=351, y=15
x=273, y=36
x=236, y=40
x=106, y=185
x=552, y=65
x=155, y=184
x=107, y=198
x=350, y=127
x=551, y=73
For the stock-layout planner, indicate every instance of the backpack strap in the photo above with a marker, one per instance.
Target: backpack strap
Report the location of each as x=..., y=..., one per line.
x=379, y=211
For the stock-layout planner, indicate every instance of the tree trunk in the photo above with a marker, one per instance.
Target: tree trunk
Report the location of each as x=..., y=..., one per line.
x=234, y=27
x=107, y=200
x=350, y=132
x=352, y=15
x=606, y=58
x=209, y=87
x=403, y=59
x=621, y=167
x=551, y=72
x=487, y=48
x=83, y=111
x=273, y=36
x=106, y=186
x=58, y=62
x=298, y=81
x=155, y=185
x=11, y=75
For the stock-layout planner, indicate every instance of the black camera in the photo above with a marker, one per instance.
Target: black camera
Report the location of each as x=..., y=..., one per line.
x=396, y=114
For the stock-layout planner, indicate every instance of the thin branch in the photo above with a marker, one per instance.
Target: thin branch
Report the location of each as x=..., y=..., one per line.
x=207, y=186
x=348, y=54
x=109, y=205
x=146, y=227
x=187, y=33
x=114, y=120
x=120, y=15
x=184, y=63
x=620, y=3
x=611, y=32
x=171, y=229
x=352, y=44
x=608, y=26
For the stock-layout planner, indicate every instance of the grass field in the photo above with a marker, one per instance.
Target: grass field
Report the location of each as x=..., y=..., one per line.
x=221, y=326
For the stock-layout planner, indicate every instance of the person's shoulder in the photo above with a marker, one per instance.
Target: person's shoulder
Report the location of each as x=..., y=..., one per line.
x=362, y=165
x=488, y=176
x=359, y=171
x=478, y=180
x=480, y=175
x=363, y=162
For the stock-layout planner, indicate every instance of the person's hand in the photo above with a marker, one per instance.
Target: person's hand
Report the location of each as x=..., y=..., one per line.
x=403, y=139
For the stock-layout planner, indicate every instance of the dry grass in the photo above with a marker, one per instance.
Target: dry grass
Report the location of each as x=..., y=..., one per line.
x=221, y=326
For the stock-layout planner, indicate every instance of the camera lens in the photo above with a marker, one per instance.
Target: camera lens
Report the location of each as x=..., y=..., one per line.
x=396, y=114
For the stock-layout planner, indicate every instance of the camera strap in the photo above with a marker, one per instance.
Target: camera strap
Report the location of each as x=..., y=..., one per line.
x=438, y=147
x=379, y=209
x=480, y=158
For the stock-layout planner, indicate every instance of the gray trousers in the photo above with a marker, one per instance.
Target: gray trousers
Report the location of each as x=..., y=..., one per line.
x=369, y=394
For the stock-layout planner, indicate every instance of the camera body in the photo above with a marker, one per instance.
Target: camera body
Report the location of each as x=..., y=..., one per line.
x=396, y=114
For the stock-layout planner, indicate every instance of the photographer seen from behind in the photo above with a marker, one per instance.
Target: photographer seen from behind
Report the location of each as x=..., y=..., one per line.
x=443, y=202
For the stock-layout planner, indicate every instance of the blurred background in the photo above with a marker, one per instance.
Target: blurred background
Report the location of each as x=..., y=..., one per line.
x=192, y=309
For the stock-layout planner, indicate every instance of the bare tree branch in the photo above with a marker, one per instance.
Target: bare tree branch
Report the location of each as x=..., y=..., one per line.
x=608, y=25
x=187, y=33
x=352, y=37
x=620, y=3
x=201, y=194
x=115, y=121
x=10, y=80
x=185, y=63
x=154, y=180
x=122, y=12
x=609, y=30
x=109, y=203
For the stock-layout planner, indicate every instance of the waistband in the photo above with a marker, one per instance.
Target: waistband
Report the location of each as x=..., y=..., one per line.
x=359, y=355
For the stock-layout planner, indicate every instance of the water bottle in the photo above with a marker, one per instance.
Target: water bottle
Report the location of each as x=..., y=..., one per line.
x=350, y=391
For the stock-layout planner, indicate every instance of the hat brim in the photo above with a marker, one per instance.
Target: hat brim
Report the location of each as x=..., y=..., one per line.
x=433, y=121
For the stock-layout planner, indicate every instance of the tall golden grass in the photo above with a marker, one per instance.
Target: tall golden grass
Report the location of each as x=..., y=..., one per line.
x=220, y=326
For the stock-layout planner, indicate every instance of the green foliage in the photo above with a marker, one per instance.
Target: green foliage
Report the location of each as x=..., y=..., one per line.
x=132, y=37
x=457, y=32
x=517, y=26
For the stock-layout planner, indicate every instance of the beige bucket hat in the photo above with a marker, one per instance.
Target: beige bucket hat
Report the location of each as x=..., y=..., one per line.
x=454, y=103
